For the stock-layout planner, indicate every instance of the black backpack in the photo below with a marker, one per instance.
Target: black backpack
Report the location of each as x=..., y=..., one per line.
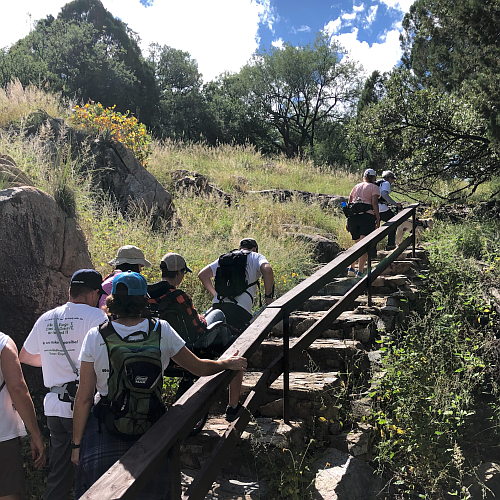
x=356, y=208
x=230, y=278
x=381, y=200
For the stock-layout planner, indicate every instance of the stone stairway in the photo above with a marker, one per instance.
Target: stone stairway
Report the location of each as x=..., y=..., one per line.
x=337, y=367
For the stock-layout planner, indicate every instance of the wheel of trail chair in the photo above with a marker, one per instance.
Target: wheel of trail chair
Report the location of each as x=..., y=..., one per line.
x=184, y=385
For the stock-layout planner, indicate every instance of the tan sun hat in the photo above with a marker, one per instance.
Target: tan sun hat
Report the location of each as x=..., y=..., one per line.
x=129, y=254
x=174, y=262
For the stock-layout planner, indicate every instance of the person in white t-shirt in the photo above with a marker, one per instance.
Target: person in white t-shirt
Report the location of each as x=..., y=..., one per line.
x=385, y=201
x=43, y=348
x=239, y=314
x=16, y=407
x=95, y=447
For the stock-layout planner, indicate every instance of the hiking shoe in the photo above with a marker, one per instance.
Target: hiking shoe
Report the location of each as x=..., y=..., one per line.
x=360, y=275
x=232, y=412
x=351, y=272
x=390, y=247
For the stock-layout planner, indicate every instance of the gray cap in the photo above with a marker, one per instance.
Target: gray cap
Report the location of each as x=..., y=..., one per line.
x=129, y=254
x=174, y=262
x=370, y=171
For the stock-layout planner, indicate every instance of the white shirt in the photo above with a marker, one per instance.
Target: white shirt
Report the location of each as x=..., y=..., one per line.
x=94, y=349
x=11, y=425
x=385, y=186
x=74, y=321
x=252, y=273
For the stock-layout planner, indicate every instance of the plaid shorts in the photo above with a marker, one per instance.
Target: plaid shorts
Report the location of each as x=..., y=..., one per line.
x=100, y=450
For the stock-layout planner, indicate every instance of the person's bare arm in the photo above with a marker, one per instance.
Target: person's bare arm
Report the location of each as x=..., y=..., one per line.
x=205, y=276
x=268, y=277
x=30, y=359
x=375, y=198
x=205, y=367
x=18, y=390
x=84, y=400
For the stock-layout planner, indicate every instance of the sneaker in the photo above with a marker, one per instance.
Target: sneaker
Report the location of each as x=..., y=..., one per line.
x=232, y=412
x=351, y=272
x=390, y=247
x=360, y=275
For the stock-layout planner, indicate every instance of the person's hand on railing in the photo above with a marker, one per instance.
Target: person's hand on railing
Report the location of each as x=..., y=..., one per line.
x=235, y=362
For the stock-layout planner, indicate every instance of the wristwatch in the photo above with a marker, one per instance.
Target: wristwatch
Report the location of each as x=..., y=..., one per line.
x=74, y=446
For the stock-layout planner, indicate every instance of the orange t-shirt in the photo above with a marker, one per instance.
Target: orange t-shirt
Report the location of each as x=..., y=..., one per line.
x=365, y=191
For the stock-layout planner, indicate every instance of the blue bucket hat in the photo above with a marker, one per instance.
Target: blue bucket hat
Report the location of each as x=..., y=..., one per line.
x=136, y=284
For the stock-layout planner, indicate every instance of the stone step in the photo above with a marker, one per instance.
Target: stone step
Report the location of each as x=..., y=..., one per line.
x=322, y=354
x=384, y=285
x=349, y=325
x=312, y=395
x=274, y=433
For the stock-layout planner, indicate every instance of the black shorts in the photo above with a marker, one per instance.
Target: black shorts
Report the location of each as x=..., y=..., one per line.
x=11, y=468
x=236, y=316
x=361, y=225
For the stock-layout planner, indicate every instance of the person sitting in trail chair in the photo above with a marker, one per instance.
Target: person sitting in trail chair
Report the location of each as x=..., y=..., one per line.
x=207, y=336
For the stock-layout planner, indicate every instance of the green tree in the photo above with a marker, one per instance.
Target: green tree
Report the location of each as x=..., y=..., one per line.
x=433, y=136
x=453, y=46
x=180, y=103
x=298, y=88
x=84, y=53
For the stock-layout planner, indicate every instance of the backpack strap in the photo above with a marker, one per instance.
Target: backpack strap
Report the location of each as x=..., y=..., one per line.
x=2, y=386
x=70, y=361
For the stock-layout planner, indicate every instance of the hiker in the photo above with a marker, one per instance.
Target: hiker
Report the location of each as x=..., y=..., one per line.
x=128, y=258
x=127, y=407
x=165, y=296
x=384, y=203
x=54, y=344
x=16, y=407
x=237, y=303
x=363, y=223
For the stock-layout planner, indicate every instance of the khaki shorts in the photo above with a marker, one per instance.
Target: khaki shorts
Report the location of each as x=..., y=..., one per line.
x=11, y=468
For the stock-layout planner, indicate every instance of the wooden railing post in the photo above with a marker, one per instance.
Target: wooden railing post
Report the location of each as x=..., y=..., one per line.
x=369, y=274
x=174, y=471
x=414, y=227
x=286, y=367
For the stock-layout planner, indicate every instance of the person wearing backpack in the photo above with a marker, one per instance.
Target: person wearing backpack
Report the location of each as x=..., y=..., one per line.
x=54, y=344
x=384, y=203
x=165, y=296
x=16, y=411
x=235, y=277
x=124, y=360
x=362, y=224
x=128, y=258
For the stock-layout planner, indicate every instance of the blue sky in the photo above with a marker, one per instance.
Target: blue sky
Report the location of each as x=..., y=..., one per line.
x=222, y=34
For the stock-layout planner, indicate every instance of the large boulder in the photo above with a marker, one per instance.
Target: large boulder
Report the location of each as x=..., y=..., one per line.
x=40, y=248
x=133, y=187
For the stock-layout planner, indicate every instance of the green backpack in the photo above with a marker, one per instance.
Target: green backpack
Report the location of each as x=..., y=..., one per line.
x=135, y=382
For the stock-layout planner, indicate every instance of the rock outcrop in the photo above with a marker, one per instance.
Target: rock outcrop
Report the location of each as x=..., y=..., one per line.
x=120, y=174
x=40, y=248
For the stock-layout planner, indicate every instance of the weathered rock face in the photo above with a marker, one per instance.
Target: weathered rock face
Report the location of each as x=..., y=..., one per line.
x=40, y=248
x=197, y=184
x=133, y=187
x=11, y=175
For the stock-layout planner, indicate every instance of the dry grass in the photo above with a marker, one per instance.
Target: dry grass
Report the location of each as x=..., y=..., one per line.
x=17, y=102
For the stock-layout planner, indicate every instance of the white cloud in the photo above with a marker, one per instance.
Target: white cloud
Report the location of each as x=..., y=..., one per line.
x=370, y=18
x=359, y=8
x=402, y=5
x=278, y=43
x=347, y=16
x=305, y=28
x=220, y=34
x=379, y=56
x=333, y=26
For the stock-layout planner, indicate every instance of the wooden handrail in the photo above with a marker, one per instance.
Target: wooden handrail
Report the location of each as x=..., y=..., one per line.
x=126, y=478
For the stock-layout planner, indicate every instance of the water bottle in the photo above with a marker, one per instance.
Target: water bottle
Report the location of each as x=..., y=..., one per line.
x=343, y=204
